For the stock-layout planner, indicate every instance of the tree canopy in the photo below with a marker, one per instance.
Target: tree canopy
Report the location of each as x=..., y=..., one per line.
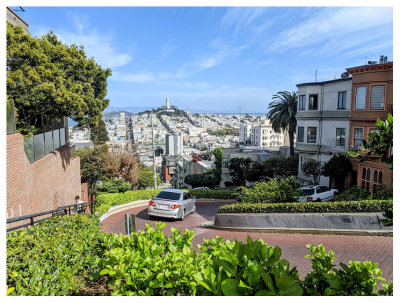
x=48, y=80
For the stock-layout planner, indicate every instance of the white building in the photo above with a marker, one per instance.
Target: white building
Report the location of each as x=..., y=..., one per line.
x=322, y=121
x=261, y=135
x=173, y=144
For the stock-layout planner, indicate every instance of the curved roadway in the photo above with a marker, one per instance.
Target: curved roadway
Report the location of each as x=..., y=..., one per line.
x=377, y=249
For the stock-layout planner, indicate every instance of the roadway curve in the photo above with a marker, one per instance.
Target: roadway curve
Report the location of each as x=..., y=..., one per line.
x=377, y=249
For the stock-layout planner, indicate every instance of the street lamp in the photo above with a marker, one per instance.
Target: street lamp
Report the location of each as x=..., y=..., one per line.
x=152, y=143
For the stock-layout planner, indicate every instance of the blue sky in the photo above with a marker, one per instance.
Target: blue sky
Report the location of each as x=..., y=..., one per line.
x=218, y=59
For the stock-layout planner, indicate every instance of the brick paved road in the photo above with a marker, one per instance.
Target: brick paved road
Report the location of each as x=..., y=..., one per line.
x=361, y=248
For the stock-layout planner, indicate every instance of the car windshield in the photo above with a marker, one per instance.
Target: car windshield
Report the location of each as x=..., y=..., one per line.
x=168, y=195
x=308, y=191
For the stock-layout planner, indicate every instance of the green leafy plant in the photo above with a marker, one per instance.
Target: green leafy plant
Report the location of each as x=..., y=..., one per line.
x=352, y=279
x=383, y=192
x=114, y=186
x=354, y=194
x=388, y=215
x=146, y=178
x=337, y=169
x=312, y=168
x=272, y=191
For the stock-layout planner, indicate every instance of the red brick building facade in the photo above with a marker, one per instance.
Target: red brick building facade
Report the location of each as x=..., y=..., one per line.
x=372, y=98
x=45, y=184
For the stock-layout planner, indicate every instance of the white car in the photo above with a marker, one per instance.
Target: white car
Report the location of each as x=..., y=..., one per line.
x=172, y=203
x=317, y=193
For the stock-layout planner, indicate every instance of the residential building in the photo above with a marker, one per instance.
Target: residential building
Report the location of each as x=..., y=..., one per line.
x=16, y=20
x=372, y=99
x=261, y=135
x=173, y=144
x=168, y=167
x=323, y=124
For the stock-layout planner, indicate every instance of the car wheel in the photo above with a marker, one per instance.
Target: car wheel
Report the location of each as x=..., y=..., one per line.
x=194, y=208
x=318, y=200
x=182, y=216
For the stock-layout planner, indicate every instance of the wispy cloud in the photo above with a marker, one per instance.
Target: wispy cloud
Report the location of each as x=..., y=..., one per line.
x=334, y=30
x=141, y=77
x=99, y=45
x=241, y=17
x=166, y=49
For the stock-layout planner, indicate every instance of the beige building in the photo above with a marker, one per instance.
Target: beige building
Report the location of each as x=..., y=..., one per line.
x=16, y=20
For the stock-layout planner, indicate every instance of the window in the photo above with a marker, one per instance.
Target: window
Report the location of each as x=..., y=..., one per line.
x=300, y=134
x=380, y=177
x=302, y=102
x=358, y=136
x=341, y=100
x=340, y=136
x=311, y=135
x=361, y=92
x=313, y=102
x=377, y=96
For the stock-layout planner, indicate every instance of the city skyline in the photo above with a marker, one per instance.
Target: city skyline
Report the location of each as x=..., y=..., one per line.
x=218, y=59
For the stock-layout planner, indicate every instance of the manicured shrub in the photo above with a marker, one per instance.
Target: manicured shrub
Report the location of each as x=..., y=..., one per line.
x=213, y=194
x=55, y=257
x=353, y=194
x=309, y=207
x=383, y=193
x=272, y=191
x=114, y=186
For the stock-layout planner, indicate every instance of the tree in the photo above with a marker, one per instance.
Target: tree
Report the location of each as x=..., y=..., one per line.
x=146, y=178
x=282, y=113
x=125, y=165
x=93, y=164
x=337, y=169
x=380, y=143
x=201, y=180
x=218, y=164
x=239, y=169
x=312, y=168
x=48, y=80
x=99, y=134
x=283, y=167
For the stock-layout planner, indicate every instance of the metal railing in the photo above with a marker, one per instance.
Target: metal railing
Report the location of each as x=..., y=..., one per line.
x=63, y=210
x=38, y=146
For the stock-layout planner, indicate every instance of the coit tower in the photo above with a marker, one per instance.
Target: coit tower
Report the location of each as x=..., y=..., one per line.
x=167, y=103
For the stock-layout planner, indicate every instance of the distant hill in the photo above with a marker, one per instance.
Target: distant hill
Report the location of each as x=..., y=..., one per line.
x=112, y=113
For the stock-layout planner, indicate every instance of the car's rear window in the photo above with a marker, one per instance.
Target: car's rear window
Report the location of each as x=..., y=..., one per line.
x=168, y=195
x=308, y=192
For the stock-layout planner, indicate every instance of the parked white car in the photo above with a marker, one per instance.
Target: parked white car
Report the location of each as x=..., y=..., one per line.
x=317, y=193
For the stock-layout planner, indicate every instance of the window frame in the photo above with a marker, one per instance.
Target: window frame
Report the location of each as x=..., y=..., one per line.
x=358, y=139
x=370, y=96
x=341, y=138
x=309, y=101
x=308, y=139
x=365, y=98
x=342, y=100
x=298, y=133
x=302, y=101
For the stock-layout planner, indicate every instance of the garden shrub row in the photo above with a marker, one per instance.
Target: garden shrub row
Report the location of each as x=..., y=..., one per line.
x=57, y=256
x=105, y=201
x=309, y=207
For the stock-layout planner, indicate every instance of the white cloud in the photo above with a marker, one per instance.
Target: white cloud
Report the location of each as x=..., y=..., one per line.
x=166, y=49
x=134, y=78
x=334, y=30
x=99, y=45
x=241, y=17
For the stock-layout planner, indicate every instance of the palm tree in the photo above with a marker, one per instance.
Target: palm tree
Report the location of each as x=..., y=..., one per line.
x=282, y=114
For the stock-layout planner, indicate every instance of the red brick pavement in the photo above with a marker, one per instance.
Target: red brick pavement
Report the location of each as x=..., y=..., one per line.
x=361, y=248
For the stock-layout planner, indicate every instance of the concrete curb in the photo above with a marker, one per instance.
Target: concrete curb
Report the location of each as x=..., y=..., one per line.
x=318, y=223
x=118, y=208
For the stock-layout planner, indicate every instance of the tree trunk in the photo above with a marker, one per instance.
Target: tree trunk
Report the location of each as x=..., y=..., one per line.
x=291, y=142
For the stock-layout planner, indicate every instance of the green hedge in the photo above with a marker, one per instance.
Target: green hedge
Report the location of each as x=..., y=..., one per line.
x=105, y=201
x=310, y=207
x=213, y=194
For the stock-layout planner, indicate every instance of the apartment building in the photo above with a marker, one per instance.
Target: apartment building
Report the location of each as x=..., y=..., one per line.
x=173, y=144
x=372, y=98
x=260, y=135
x=323, y=124
x=194, y=164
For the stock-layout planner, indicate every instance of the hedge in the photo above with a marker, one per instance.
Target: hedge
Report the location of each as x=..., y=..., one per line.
x=105, y=201
x=310, y=207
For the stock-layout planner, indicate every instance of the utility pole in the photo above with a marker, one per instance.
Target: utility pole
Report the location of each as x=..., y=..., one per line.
x=154, y=151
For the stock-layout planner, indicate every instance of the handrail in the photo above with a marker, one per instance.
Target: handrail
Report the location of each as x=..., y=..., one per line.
x=62, y=210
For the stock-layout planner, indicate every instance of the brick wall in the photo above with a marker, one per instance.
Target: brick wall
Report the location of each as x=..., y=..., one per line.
x=46, y=184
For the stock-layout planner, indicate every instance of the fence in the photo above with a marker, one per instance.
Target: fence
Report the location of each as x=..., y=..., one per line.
x=63, y=210
x=38, y=146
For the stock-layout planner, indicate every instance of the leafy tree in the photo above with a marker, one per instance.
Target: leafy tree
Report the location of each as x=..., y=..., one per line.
x=146, y=178
x=337, y=168
x=282, y=113
x=239, y=169
x=312, y=168
x=256, y=172
x=124, y=165
x=353, y=194
x=380, y=144
x=114, y=186
x=218, y=164
x=93, y=164
x=284, y=167
x=98, y=134
x=48, y=80
x=272, y=191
